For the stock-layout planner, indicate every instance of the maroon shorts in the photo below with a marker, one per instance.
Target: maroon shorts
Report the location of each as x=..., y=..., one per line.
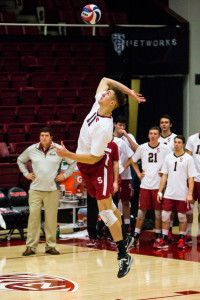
x=98, y=178
x=148, y=200
x=125, y=190
x=175, y=205
x=196, y=191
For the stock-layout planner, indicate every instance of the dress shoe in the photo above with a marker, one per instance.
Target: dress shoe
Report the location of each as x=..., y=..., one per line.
x=53, y=251
x=28, y=252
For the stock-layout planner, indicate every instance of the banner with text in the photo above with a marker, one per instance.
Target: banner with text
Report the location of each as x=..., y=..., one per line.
x=140, y=51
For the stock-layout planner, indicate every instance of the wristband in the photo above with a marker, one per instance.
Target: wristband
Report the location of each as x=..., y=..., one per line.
x=160, y=194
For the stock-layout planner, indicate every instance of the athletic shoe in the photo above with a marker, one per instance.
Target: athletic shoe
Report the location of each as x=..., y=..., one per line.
x=188, y=239
x=198, y=239
x=170, y=237
x=156, y=241
x=124, y=265
x=161, y=245
x=91, y=243
x=181, y=244
x=128, y=242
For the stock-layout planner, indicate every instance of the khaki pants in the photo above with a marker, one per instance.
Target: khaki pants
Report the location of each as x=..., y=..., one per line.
x=50, y=202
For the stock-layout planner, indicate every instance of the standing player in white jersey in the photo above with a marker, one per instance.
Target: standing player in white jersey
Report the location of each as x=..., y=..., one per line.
x=152, y=155
x=178, y=172
x=125, y=187
x=95, y=166
x=193, y=148
x=167, y=137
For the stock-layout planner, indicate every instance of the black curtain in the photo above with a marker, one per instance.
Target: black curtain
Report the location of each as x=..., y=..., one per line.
x=164, y=96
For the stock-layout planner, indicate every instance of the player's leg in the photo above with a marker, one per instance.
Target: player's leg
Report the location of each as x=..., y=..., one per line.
x=182, y=208
x=158, y=216
x=189, y=215
x=168, y=207
x=139, y=224
x=110, y=220
x=197, y=196
x=128, y=240
x=126, y=193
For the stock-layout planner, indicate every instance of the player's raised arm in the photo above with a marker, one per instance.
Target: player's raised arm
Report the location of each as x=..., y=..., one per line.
x=107, y=83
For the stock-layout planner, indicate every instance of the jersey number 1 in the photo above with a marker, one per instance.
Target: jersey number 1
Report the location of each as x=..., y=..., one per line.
x=175, y=166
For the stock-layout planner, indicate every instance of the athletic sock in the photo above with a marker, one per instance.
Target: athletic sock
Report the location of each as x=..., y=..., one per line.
x=124, y=233
x=121, y=250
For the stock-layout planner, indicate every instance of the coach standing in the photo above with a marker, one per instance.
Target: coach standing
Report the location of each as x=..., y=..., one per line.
x=44, y=189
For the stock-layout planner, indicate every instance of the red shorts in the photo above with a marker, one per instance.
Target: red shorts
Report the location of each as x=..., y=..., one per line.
x=196, y=191
x=175, y=205
x=125, y=190
x=98, y=178
x=148, y=200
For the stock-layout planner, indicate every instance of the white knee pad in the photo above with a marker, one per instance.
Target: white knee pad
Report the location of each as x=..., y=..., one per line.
x=113, y=206
x=182, y=217
x=190, y=212
x=108, y=217
x=158, y=214
x=166, y=216
x=141, y=214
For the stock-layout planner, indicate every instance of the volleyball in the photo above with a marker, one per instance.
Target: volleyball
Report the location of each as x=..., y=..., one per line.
x=91, y=14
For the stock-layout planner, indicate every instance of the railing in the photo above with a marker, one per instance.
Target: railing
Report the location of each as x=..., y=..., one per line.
x=93, y=27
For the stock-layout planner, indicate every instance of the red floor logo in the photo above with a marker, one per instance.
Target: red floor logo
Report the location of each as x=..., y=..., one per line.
x=36, y=282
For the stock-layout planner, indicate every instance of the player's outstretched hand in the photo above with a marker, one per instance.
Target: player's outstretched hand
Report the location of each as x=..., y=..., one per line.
x=137, y=97
x=62, y=152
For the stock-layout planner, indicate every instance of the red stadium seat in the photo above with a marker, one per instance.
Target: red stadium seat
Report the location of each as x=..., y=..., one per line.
x=9, y=49
x=19, y=79
x=44, y=49
x=30, y=63
x=71, y=145
x=45, y=113
x=75, y=79
x=33, y=131
x=28, y=96
x=62, y=50
x=73, y=129
x=15, y=132
x=2, y=133
x=82, y=64
x=119, y=17
x=97, y=49
x=47, y=64
x=64, y=112
x=48, y=96
x=9, y=96
x=19, y=147
x=58, y=129
x=64, y=64
x=86, y=95
x=68, y=95
x=27, y=49
x=57, y=79
x=5, y=155
x=10, y=64
x=26, y=113
x=9, y=175
x=4, y=80
x=81, y=111
x=81, y=50
x=31, y=30
x=98, y=65
x=38, y=79
x=7, y=114
x=91, y=79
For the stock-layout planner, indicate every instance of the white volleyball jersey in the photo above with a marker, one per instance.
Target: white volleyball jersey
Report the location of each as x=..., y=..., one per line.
x=152, y=161
x=96, y=132
x=126, y=140
x=124, y=154
x=193, y=145
x=179, y=169
x=168, y=140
